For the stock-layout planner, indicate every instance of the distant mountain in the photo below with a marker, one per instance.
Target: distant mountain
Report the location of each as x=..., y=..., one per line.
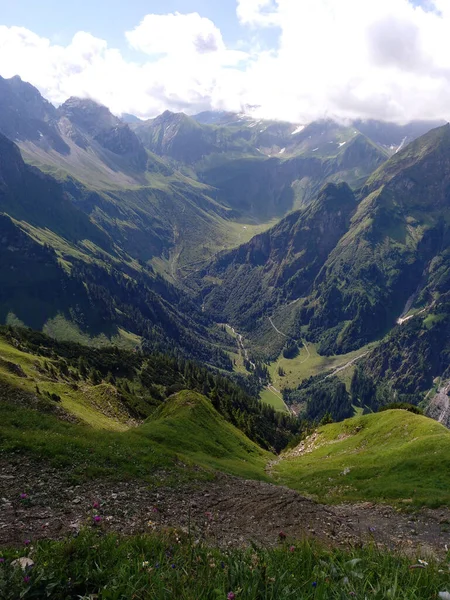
x=279, y=265
x=261, y=169
x=349, y=271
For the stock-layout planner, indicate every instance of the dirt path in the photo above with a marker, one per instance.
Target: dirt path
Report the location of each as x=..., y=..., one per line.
x=348, y=364
x=226, y=512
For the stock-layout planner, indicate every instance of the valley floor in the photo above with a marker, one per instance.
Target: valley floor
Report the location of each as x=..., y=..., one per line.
x=227, y=512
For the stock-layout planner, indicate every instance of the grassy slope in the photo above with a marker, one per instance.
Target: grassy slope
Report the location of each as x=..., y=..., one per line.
x=189, y=425
x=394, y=456
x=187, y=428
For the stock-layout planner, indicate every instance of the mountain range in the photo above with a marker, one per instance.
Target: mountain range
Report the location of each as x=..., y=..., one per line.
x=154, y=233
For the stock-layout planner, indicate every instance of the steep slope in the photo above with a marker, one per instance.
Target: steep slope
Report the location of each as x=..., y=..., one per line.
x=399, y=229
x=279, y=265
x=63, y=273
x=394, y=456
x=188, y=425
x=153, y=212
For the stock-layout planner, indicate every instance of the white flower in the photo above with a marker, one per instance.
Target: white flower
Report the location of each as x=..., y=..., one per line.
x=423, y=562
x=145, y=564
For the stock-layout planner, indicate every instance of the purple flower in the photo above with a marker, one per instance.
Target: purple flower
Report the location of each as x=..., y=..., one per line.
x=231, y=596
x=282, y=535
x=372, y=529
x=27, y=542
x=174, y=566
x=222, y=564
x=154, y=509
x=26, y=579
x=292, y=549
x=23, y=496
x=2, y=560
x=97, y=519
x=314, y=584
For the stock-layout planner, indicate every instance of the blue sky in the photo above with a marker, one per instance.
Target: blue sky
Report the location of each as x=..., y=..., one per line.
x=108, y=19
x=295, y=60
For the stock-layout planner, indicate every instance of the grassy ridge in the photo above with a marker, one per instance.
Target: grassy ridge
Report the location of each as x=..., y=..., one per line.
x=186, y=429
x=394, y=456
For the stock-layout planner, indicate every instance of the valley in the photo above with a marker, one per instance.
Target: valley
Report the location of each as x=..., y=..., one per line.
x=227, y=332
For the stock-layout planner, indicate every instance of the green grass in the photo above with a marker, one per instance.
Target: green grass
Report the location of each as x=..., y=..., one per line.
x=310, y=363
x=272, y=399
x=170, y=566
x=394, y=456
x=186, y=430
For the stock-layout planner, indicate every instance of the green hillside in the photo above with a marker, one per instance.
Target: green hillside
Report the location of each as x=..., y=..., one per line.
x=189, y=426
x=393, y=457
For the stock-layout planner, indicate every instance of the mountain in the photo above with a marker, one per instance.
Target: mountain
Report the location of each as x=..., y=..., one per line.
x=279, y=265
x=261, y=169
x=359, y=264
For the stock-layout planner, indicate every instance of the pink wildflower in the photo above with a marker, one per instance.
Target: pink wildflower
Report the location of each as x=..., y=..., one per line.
x=96, y=504
x=26, y=579
x=23, y=496
x=282, y=535
x=97, y=519
x=292, y=549
x=231, y=596
x=27, y=542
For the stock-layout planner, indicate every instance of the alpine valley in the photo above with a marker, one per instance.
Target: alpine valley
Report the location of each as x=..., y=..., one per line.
x=221, y=332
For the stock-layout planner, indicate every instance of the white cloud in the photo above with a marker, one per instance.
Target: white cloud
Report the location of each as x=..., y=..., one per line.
x=345, y=58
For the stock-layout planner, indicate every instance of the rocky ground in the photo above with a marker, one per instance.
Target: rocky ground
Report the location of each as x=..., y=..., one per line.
x=226, y=512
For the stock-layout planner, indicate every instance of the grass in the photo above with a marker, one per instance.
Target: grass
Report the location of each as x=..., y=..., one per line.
x=171, y=565
x=186, y=433
x=309, y=363
x=394, y=457
x=272, y=399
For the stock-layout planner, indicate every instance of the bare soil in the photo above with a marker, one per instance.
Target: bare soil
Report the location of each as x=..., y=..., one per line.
x=225, y=512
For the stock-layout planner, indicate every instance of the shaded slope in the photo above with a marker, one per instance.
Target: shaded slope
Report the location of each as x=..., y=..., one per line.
x=279, y=265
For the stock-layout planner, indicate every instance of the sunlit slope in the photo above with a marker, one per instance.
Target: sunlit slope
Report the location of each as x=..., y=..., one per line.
x=393, y=456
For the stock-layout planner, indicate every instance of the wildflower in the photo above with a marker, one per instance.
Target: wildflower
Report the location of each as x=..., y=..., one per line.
x=222, y=564
x=27, y=542
x=154, y=509
x=2, y=560
x=314, y=584
x=423, y=562
x=209, y=515
x=97, y=519
x=26, y=579
x=292, y=549
x=96, y=504
x=282, y=535
x=145, y=564
x=157, y=565
x=372, y=529
x=173, y=565
x=231, y=596
x=23, y=496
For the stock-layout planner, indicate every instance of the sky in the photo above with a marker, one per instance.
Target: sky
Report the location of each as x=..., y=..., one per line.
x=294, y=60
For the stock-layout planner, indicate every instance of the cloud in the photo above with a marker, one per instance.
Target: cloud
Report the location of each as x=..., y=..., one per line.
x=387, y=59
x=176, y=34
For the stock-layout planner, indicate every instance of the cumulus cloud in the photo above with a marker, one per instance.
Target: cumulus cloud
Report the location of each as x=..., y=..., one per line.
x=387, y=59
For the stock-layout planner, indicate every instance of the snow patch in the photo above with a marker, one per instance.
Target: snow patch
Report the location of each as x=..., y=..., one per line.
x=315, y=149
x=401, y=145
x=342, y=144
x=282, y=151
x=298, y=130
